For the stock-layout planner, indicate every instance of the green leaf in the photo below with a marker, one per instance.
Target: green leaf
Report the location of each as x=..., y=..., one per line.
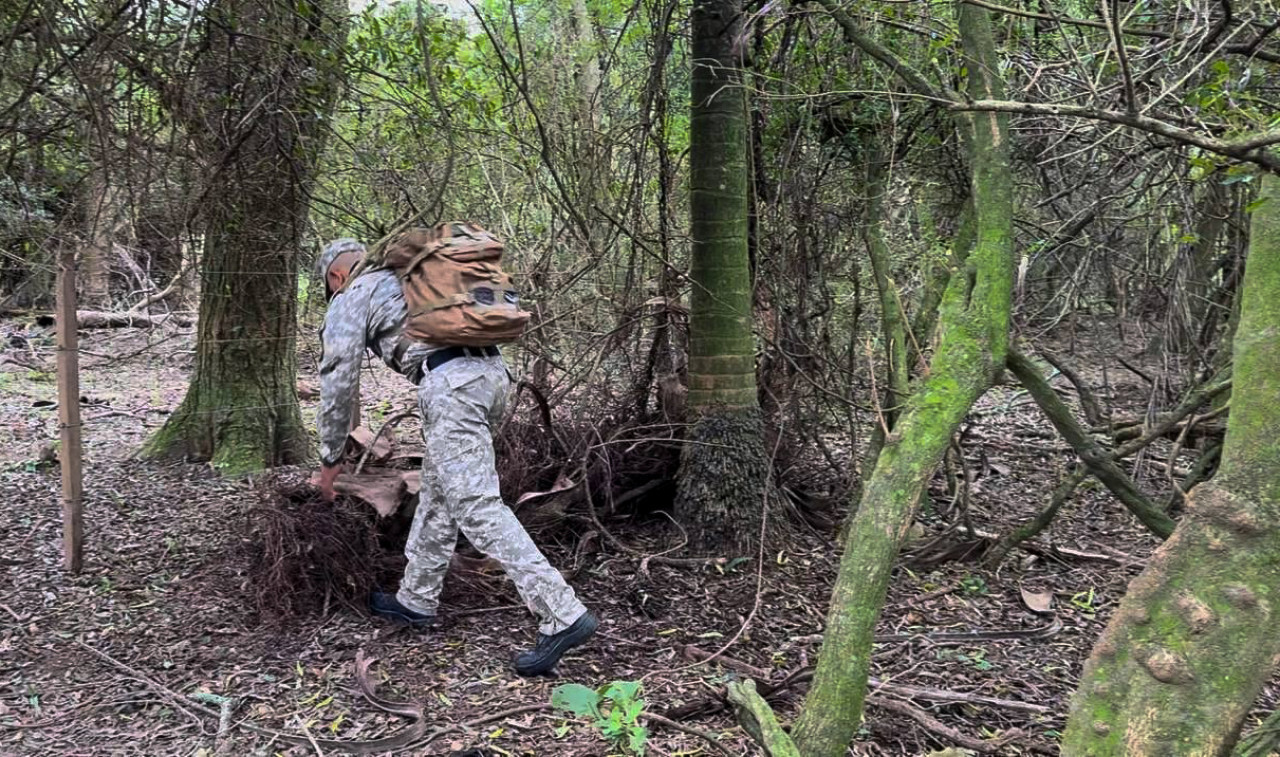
x=576, y=698
x=636, y=738
x=632, y=709
x=1256, y=204
x=622, y=690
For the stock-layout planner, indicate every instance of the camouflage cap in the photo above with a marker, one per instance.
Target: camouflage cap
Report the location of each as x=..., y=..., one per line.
x=336, y=247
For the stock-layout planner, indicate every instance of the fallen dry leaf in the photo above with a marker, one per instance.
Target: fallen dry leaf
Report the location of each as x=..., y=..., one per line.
x=1041, y=602
x=562, y=483
x=362, y=437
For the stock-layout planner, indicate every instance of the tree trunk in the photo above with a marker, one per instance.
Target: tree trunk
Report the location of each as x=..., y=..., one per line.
x=105, y=226
x=936, y=280
x=895, y=384
x=973, y=325
x=893, y=315
x=723, y=467
x=105, y=220
x=592, y=159
x=1193, y=641
x=278, y=74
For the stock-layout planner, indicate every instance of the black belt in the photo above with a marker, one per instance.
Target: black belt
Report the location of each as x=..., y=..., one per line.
x=440, y=357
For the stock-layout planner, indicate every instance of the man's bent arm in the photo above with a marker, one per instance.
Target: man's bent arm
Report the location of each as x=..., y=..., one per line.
x=344, y=345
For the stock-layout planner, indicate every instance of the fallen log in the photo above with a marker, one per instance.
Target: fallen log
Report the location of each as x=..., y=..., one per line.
x=99, y=319
x=1133, y=430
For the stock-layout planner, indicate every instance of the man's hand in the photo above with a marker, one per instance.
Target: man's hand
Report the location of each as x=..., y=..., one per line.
x=324, y=479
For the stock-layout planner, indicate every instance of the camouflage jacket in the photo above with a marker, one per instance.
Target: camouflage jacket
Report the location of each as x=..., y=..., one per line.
x=369, y=313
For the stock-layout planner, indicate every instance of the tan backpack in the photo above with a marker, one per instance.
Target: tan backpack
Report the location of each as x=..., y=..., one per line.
x=454, y=286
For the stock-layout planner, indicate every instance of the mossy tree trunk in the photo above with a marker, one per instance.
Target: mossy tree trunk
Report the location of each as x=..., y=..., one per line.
x=258, y=116
x=893, y=315
x=723, y=468
x=1194, y=640
x=895, y=385
x=936, y=280
x=973, y=331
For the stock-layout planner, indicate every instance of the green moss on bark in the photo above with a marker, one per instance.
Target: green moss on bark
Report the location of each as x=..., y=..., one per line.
x=974, y=326
x=893, y=319
x=723, y=467
x=241, y=408
x=1193, y=641
x=1099, y=462
x=721, y=343
x=239, y=426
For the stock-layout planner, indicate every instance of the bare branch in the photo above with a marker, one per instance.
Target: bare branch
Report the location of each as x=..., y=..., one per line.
x=1251, y=49
x=1111, y=12
x=1249, y=150
x=911, y=77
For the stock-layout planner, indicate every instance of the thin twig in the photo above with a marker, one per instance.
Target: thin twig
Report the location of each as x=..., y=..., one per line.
x=173, y=697
x=618, y=543
x=706, y=736
x=312, y=739
x=1182, y=438
x=520, y=710
x=932, y=724
x=396, y=741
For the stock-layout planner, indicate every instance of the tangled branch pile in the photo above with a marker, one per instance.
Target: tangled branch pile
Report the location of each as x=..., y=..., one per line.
x=302, y=555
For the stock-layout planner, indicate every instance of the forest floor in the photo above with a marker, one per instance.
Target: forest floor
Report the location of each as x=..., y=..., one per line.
x=103, y=663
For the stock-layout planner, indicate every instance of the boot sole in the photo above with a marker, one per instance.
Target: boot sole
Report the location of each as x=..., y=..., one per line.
x=404, y=619
x=547, y=664
x=399, y=617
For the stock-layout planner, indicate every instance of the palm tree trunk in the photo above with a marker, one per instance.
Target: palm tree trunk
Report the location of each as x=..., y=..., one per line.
x=723, y=467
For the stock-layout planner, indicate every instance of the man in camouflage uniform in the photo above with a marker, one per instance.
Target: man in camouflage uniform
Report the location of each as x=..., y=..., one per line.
x=462, y=393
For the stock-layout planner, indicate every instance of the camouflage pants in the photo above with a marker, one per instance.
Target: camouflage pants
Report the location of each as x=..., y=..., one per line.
x=461, y=402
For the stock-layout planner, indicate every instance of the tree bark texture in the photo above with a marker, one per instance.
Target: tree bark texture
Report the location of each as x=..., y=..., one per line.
x=259, y=117
x=973, y=331
x=1193, y=641
x=893, y=316
x=721, y=345
x=723, y=466
x=936, y=280
x=1215, y=208
x=105, y=226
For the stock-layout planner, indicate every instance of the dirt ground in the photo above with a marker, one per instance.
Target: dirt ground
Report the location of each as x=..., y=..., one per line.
x=105, y=663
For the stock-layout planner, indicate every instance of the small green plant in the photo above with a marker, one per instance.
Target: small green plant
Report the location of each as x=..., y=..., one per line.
x=975, y=658
x=614, y=710
x=974, y=585
x=378, y=414
x=1084, y=601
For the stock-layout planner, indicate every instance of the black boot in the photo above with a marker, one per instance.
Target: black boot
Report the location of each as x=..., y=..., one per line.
x=542, y=658
x=387, y=606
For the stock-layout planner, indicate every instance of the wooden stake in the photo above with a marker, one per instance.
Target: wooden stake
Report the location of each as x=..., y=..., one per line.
x=69, y=409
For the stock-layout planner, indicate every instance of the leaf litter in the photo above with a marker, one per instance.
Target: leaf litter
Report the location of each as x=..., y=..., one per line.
x=164, y=593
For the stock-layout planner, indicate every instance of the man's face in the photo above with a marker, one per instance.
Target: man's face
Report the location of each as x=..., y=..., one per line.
x=340, y=270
